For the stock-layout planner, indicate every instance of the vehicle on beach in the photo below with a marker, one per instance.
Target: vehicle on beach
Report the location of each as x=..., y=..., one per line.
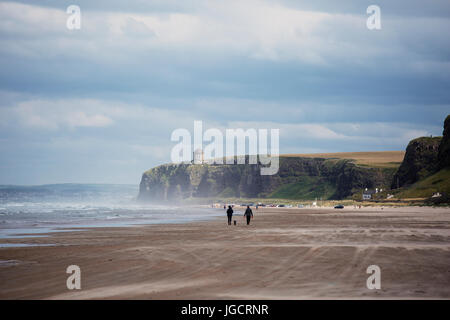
x=280, y=206
x=339, y=206
x=247, y=204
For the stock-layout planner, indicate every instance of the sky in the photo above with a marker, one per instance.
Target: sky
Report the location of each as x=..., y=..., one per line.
x=98, y=104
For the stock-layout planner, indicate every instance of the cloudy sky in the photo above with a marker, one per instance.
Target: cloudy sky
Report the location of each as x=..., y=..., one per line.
x=99, y=104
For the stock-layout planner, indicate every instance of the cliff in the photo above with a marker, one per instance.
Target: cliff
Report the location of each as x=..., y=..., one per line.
x=297, y=178
x=425, y=169
x=421, y=160
x=444, y=147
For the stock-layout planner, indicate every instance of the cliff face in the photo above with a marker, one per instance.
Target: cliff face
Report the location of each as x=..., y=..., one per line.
x=421, y=160
x=424, y=157
x=297, y=178
x=444, y=147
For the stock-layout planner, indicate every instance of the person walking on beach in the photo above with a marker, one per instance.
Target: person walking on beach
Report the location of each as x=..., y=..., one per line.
x=229, y=215
x=248, y=214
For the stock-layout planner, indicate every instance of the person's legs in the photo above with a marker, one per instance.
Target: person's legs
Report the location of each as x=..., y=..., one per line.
x=248, y=220
x=229, y=220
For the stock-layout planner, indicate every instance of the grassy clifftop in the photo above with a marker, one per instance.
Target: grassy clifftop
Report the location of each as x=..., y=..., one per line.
x=375, y=159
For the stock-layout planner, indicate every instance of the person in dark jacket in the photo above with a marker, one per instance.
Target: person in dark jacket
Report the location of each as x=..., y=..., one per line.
x=229, y=215
x=248, y=214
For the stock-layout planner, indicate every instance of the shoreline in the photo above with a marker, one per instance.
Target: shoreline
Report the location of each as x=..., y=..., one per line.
x=286, y=253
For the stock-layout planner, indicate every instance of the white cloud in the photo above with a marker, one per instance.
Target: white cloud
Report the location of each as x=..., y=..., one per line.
x=293, y=131
x=56, y=114
x=149, y=127
x=59, y=114
x=136, y=28
x=377, y=135
x=81, y=119
x=256, y=28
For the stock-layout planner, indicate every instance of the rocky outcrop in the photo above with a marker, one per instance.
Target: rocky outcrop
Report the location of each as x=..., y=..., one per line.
x=424, y=157
x=177, y=182
x=421, y=160
x=444, y=147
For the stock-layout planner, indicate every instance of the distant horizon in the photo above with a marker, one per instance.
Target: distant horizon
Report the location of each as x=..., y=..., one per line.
x=64, y=183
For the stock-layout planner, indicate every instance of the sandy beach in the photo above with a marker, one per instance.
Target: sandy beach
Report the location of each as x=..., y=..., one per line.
x=284, y=254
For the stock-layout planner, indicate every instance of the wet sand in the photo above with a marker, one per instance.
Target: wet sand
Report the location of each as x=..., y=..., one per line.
x=284, y=254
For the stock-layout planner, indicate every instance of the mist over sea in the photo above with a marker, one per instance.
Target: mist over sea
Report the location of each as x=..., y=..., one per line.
x=31, y=210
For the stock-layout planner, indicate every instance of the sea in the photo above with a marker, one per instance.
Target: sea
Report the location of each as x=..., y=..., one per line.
x=35, y=211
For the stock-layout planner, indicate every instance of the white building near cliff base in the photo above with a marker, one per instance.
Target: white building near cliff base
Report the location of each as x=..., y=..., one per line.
x=368, y=194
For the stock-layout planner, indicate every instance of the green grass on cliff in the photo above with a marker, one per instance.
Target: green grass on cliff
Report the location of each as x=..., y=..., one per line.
x=306, y=188
x=438, y=182
x=373, y=159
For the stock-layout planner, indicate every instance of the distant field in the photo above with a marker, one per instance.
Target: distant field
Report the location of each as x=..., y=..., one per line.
x=372, y=158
